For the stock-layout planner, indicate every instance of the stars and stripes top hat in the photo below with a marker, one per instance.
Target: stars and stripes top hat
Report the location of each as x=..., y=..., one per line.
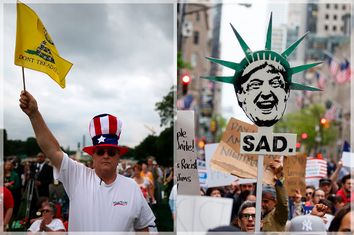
x=105, y=130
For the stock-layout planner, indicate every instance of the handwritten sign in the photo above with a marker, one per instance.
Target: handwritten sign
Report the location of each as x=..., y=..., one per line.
x=186, y=160
x=228, y=159
x=294, y=174
x=217, y=178
x=198, y=214
x=272, y=143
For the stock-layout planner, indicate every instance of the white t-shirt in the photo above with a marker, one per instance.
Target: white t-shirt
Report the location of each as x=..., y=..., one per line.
x=95, y=206
x=55, y=225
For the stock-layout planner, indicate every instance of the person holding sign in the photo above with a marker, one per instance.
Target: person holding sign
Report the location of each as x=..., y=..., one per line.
x=100, y=199
x=275, y=201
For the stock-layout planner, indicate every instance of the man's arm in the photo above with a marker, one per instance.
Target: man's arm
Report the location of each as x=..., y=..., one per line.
x=45, y=139
x=282, y=207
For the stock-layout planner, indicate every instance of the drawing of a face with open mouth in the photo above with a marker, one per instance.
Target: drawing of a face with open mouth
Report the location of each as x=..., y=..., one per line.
x=263, y=92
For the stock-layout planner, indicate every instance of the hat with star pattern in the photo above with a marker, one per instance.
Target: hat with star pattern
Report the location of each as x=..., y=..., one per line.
x=105, y=130
x=263, y=55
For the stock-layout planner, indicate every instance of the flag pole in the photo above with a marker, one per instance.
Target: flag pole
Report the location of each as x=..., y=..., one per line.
x=23, y=79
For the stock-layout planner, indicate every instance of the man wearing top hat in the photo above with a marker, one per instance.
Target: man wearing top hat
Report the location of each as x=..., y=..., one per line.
x=100, y=199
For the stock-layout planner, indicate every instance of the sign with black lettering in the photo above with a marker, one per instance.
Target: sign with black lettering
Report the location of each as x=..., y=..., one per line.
x=273, y=143
x=227, y=157
x=186, y=159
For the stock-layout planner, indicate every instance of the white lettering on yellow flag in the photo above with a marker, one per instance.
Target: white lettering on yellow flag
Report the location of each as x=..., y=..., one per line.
x=186, y=159
x=35, y=49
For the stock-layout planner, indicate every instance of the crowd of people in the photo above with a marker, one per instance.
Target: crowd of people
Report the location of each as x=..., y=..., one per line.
x=323, y=208
x=31, y=184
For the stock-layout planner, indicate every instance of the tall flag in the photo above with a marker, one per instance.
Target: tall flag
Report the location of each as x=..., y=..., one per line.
x=34, y=47
x=344, y=72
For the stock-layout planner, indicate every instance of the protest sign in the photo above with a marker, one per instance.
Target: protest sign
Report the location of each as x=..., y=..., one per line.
x=272, y=143
x=202, y=172
x=186, y=160
x=348, y=159
x=227, y=157
x=294, y=174
x=217, y=178
x=316, y=168
x=198, y=214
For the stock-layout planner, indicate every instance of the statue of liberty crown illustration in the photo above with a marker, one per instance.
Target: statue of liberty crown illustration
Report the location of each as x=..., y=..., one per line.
x=264, y=55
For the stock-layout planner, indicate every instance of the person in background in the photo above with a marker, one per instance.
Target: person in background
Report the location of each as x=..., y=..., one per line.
x=295, y=204
x=309, y=194
x=47, y=223
x=13, y=183
x=316, y=196
x=342, y=221
x=172, y=201
x=8, y=207
x=215, y=192
x=347, y=190
x=43, y=176
x=145, y=184
x=326, y=185
x=337, y=202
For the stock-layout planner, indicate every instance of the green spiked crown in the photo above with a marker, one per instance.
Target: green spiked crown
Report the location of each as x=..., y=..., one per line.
x=266, y=54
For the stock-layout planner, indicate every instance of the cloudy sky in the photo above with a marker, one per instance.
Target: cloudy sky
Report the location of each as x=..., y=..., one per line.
x=123, y=64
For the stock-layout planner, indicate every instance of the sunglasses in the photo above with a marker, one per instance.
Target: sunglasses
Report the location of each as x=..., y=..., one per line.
x=45, y=211
x=247, y=216
x=110, y=152
x=309, y=193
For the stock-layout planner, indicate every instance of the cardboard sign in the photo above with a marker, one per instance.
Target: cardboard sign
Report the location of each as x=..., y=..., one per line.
x=217, y=178
x=186, y=160
x=348, y=159
x=198, y=214
x=273, y=143
x=227, y=157
x=294, y=174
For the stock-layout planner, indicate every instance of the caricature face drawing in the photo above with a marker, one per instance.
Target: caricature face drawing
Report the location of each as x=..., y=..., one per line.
x=263, y=92
x=263, y=79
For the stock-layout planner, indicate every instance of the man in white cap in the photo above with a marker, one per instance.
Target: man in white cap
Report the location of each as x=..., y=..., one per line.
x=100, y=199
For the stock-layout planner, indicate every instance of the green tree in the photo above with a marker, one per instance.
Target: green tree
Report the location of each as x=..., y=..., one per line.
x=308, y=121
x=165, y=108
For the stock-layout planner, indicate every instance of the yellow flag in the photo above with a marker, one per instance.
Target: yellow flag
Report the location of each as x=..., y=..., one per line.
x=34, y=47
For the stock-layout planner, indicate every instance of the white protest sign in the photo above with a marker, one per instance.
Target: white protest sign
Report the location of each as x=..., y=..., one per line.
x=316, y=168
x=348, y=159
x=269, y=143
x=217, y=178
x=186, y=160
x=198, y=214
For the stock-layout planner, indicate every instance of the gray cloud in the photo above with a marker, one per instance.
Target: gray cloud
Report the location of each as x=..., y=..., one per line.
x=123, y=64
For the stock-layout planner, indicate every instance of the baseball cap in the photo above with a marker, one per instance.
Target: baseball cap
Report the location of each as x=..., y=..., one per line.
x=307, y=223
